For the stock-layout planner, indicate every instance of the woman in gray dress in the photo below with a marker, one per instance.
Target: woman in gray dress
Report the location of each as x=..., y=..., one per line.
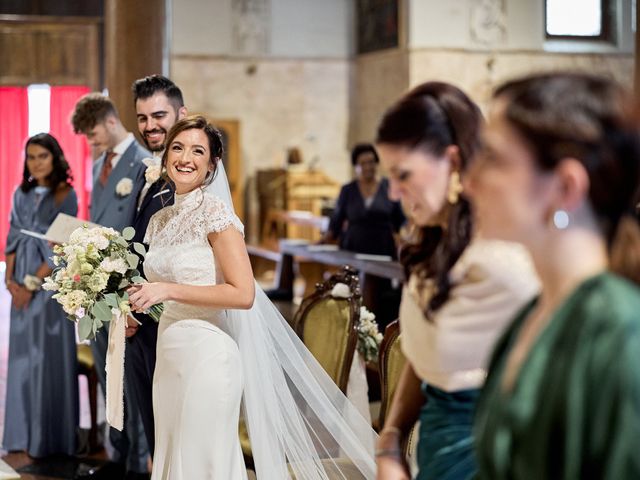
x=41, y=415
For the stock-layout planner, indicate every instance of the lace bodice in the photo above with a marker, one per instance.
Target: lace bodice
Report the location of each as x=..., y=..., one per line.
x=179, y=250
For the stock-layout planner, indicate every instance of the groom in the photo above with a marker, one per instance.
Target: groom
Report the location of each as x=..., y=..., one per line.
x=116, y=183
x=159, y=105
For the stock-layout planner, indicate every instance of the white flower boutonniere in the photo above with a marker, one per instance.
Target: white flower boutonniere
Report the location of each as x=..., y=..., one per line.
x=153, y=171
x=124, y=187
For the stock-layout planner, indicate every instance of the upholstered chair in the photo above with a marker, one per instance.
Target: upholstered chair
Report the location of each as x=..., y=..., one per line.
x=327, y=325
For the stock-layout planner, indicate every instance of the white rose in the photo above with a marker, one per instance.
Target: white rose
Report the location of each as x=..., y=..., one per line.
x=153, y=171
x=340, y=290
x=152, y=174
x=366, y=315
x=124, y=187
x=114, y=264
x=50, y=284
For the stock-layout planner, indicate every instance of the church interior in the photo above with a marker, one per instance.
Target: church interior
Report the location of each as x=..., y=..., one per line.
x=293, y=86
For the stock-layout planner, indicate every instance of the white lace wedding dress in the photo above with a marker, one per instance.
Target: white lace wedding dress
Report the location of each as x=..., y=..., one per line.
x=197, y=386
x=209, y=361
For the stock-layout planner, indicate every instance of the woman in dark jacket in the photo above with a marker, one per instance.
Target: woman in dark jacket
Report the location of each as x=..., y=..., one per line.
x=365, y=219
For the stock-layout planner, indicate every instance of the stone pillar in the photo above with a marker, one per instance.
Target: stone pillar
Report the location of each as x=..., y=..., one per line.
x=135, y=45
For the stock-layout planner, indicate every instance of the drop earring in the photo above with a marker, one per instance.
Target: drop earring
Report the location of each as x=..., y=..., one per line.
x=455, y=188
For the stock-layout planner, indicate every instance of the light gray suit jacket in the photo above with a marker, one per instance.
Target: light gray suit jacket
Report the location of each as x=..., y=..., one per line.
x=108, y=208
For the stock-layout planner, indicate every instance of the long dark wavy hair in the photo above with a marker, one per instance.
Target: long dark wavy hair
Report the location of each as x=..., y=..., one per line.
x=61, y=172
x=432, y=117
x=593, y=120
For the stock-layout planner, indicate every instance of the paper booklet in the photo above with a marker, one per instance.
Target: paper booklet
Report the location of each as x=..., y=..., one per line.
x=61, y=228
x=7, y=473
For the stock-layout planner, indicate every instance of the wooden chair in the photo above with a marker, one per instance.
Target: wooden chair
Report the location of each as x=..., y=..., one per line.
x=328, y=328
x=391, y=363
x=86, y=367
x=328, y=325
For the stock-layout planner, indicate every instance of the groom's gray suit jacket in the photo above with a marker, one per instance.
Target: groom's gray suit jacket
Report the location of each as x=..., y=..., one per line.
x=108, y=208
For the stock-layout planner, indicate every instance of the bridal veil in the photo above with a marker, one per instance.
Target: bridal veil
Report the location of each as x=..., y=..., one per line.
x=300, y=424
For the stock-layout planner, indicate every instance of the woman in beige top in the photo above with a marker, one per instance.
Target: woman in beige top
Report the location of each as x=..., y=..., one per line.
x=461, y=293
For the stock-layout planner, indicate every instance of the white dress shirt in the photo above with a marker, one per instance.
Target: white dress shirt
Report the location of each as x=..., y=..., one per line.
x=120, y=148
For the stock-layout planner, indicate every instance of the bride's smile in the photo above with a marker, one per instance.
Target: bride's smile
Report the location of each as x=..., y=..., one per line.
x=188, y=160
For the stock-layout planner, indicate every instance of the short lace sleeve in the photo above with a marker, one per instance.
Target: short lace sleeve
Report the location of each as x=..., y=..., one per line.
x=218, y=216
x=148, y=235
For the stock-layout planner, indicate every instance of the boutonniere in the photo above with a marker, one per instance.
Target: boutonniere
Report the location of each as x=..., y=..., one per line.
x=124, y=187
x=153, y=171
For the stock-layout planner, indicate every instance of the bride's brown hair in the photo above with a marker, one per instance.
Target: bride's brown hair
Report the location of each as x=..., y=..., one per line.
x=198, y=122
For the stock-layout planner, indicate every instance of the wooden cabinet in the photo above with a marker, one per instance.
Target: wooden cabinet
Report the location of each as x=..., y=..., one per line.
x=291, y=202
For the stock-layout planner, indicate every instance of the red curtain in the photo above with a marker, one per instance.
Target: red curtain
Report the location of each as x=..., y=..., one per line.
x=75, y=148
x=14, y=130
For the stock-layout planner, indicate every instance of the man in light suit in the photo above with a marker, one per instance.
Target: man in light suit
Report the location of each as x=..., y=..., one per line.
x=118, y=176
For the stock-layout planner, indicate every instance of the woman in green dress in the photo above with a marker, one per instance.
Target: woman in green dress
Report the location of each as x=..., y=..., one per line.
x=559, y=174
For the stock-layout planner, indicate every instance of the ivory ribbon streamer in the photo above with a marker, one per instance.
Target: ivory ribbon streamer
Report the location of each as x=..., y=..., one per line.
x=115, y=372
x=357, y=387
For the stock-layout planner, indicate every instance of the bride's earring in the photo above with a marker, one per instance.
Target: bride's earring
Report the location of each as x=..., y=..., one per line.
x=455, y=188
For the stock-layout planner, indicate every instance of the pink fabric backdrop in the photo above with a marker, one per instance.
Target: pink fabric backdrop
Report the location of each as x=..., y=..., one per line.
x=14, y=129
x=75, y=148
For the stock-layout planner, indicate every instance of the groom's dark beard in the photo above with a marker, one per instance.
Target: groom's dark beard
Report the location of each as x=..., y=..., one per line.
x=157, y=148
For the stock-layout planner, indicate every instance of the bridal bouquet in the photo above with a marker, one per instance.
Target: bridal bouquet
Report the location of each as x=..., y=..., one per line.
x=369, y=338
x=93, y=271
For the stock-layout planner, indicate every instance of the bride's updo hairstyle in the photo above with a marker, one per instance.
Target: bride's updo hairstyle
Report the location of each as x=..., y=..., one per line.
x=591, y=119
x=432, y=117
x=215, y=142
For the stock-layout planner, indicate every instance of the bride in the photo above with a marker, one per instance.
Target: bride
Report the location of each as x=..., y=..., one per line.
x=221, y=343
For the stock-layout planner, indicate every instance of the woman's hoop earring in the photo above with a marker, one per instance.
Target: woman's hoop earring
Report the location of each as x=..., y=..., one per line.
x=455, y=188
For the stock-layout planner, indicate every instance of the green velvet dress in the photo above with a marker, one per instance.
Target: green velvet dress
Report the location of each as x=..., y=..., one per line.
x=574, y=411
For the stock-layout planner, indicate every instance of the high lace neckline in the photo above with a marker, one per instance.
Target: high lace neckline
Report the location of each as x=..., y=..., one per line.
x=190, y=198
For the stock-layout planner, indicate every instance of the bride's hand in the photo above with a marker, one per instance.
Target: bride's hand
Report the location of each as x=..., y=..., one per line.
x=145, y=295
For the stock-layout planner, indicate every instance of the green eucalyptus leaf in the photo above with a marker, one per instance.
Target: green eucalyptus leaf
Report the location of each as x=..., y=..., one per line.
x=96, y=325
x=132, y=260
x=138, y=279
x=121, y=242
x=85, y=330
x=111, y=299
x=101, y=311
x=128, y=233
x=139, y=249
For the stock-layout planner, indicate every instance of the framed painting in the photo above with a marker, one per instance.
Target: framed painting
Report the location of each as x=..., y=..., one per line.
x=378, y=25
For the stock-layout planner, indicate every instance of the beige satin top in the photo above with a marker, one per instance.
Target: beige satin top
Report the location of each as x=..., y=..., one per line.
x=492, y=281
